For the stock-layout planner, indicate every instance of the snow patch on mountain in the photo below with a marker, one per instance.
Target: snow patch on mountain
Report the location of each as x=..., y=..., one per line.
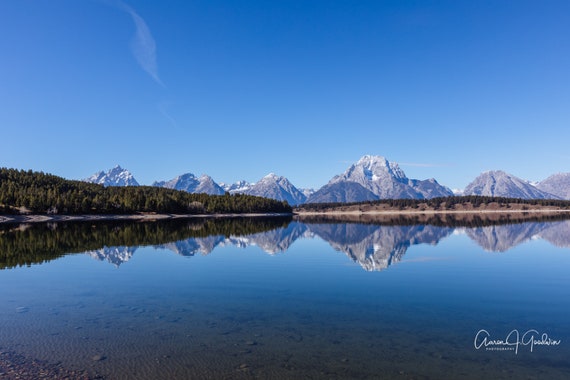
x=116, y=176
x=237, y=187
x=276, y=187
x=377, y=178
x=192, y=184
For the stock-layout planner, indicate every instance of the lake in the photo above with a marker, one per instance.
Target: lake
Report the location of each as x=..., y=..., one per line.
x=277, y=298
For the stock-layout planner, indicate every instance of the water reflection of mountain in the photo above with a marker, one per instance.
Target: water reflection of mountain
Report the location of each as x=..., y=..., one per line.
x=557, y=234
x=373, y=246
x=274, y=241
x=278, y=240
x=504, y=237
x=377, y=247
x=114, y=255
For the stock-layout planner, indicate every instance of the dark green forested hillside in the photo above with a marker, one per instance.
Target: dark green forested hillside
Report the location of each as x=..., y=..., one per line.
x=41, y=193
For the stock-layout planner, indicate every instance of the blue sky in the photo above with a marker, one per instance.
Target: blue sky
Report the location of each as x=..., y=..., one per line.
x=237, y=89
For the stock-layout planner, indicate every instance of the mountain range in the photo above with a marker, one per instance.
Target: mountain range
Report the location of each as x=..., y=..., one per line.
x=370, y=178
x=192, y=184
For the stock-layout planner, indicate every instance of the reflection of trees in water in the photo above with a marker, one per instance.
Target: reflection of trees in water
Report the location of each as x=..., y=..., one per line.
x=32, y=244
x=374, y=246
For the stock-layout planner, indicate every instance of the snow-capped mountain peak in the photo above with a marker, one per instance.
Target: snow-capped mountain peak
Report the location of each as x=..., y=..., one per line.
x=190, y=183
x=276, y=187
x=237, y=187
x=374, y=177
x=116, y=176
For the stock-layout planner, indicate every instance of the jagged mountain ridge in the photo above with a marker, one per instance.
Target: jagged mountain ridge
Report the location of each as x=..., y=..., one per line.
x=237, y=187
x=498, y=183
x=116, y=176
x=270, y=186
x=192, y=184
x=374, y=177
x=277, y=187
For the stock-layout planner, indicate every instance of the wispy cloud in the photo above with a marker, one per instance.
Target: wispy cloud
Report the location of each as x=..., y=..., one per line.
x=163, y=109
x=424, y=165
x=143, y=45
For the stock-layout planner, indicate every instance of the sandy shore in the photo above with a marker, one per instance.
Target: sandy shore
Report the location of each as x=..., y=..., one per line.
x=134, y=217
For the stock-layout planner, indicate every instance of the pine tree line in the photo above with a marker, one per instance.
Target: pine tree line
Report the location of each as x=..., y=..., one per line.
x=441, y=203
x=40, y=193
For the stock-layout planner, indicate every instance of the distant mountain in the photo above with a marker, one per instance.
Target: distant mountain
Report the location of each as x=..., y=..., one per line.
x=557, y=184
x=377, y=178
x=192, y=184
x=307, y=192
x=344, y=192
x=501, y=184
x=276, y=187
x=114, y=177
x=270, y=186
x=430, y=188
x=236, y=188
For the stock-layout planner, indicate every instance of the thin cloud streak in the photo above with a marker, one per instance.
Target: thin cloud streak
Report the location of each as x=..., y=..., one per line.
x=162, y=108
x=424, y=165
x=143, y=45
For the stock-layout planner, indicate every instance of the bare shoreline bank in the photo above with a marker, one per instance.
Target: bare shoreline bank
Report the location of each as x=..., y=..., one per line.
x=428, y=212
x=5, y=219
x=34, y=218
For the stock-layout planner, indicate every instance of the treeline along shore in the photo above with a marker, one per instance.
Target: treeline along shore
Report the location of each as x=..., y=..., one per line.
x=455, y=204
x=29, y=192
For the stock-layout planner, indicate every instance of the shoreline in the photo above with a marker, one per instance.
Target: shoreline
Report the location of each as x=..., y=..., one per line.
x=36, y=218
x=427, y=212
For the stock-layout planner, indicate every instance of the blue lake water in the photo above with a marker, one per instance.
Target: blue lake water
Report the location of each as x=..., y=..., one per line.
x=286, y=299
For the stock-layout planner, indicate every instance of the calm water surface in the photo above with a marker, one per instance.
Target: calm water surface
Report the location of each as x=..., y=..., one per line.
x=283, y=299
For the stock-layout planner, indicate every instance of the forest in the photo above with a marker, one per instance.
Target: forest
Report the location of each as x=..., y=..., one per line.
x=40, y=193
x=441, y=203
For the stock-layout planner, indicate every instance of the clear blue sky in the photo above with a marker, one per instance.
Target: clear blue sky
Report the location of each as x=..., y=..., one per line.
x=237, y=89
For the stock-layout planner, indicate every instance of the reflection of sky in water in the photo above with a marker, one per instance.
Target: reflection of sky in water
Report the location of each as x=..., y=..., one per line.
x=308, y=311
